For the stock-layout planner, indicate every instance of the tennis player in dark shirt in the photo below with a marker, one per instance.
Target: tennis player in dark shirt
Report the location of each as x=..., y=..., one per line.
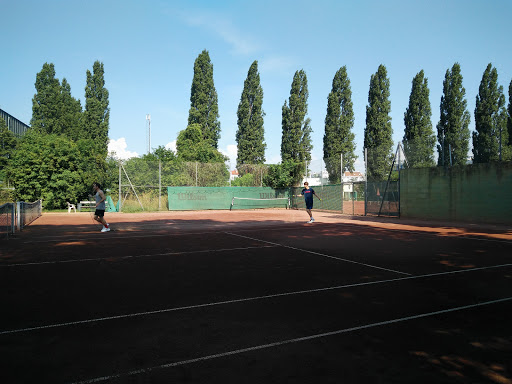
x=308, y=193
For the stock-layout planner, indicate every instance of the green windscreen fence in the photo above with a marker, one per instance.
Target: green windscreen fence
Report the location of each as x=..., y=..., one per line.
x=198, y=198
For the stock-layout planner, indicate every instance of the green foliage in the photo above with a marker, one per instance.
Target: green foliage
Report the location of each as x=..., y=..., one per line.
x=47, y=166
x=419, y=138
x=204, y=108
x=191, y=146
x=46, y=103
x=453, y=127
x=283, y=175
x=378, y=131
x=97, y=113
x=70, y=114
x=246, y=180
x=296, y=138
x=339, y=122
x=490, y=140
x=8, y=143
x=250, y=134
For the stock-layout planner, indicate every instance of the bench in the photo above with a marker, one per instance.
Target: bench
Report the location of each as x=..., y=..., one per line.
x=89, y=205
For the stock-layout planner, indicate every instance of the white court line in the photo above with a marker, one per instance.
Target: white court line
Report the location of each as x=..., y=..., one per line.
x=291, y=341
x=320, y=254
x=131, y=257
x=247, y=299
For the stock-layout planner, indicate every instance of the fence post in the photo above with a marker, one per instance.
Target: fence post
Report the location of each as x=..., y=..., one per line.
x=120, y=201
x=159, y=184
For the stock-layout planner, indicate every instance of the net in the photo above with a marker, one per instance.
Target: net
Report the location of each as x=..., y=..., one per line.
x=331, y=195
x=28, y=212
x=253, y=203
x=7, y=216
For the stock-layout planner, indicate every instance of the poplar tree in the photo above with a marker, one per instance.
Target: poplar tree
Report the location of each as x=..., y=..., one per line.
x=419, y=138
x=453, y=127
x=378, y=131
x=490, y=139
x=204, y=108
x=339, y=122
x=70, y=112
x=97, y=112
x=250, y=135
x=296, y=139
x=46, y=103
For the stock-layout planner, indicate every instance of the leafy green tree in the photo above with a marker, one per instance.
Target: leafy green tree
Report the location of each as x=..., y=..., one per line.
x=46, y=166
x=247, y=180
x=204, y=108
x=378, y=131
x=419, y=138
x=8, y=143
x=453, y=127
x=296, y=138
x=97, y=112
x=490, y=139
x=250, y=135
x=339, y=122
x=281, y=175
x=46, y=103
x=509, y=120
x=191, y=146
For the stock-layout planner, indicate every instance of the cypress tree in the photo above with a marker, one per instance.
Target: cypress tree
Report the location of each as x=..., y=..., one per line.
x=453, y=127
x=250, y=134
x=296, y=138
x=419, y=138
x=490, y=139
x=378, y=131
x=97, y=113
x=339, y=122
x=204, y=108
x=46, y=103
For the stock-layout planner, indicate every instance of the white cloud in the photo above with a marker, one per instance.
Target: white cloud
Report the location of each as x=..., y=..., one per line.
x=225, y=29
x=231, y=152
x=276, y=64
x=119, y=148
x=171, y=146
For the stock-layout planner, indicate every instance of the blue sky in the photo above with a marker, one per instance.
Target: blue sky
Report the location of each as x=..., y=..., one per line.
x=148, y=50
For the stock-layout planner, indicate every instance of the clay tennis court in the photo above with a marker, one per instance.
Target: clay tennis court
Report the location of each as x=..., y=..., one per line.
x=255, y=297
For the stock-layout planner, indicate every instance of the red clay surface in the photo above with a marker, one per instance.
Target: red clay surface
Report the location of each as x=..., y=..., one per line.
x=255, y=297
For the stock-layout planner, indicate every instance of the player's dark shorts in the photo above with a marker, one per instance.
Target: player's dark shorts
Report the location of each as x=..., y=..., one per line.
x=99, y=212
x=309, y=205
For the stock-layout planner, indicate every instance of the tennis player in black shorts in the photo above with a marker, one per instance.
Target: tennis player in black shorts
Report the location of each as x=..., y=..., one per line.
x=308, y=193
x=100, y=207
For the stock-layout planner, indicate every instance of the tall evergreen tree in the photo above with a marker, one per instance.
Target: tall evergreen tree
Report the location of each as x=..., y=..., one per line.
x=250, y=135
x=46, y=103
x=296, y=139
x=509, y=120
x=204, y=108
x=97, y=112
x=378, y=132
x=490, y=139
x=339, y=122
x=419, y=138
x=453, y=127
x=70, y=112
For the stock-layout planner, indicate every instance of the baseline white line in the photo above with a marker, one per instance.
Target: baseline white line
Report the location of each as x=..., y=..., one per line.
x=131, y=257
x=247, y=299
x=320, y=254
x=291, y=341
